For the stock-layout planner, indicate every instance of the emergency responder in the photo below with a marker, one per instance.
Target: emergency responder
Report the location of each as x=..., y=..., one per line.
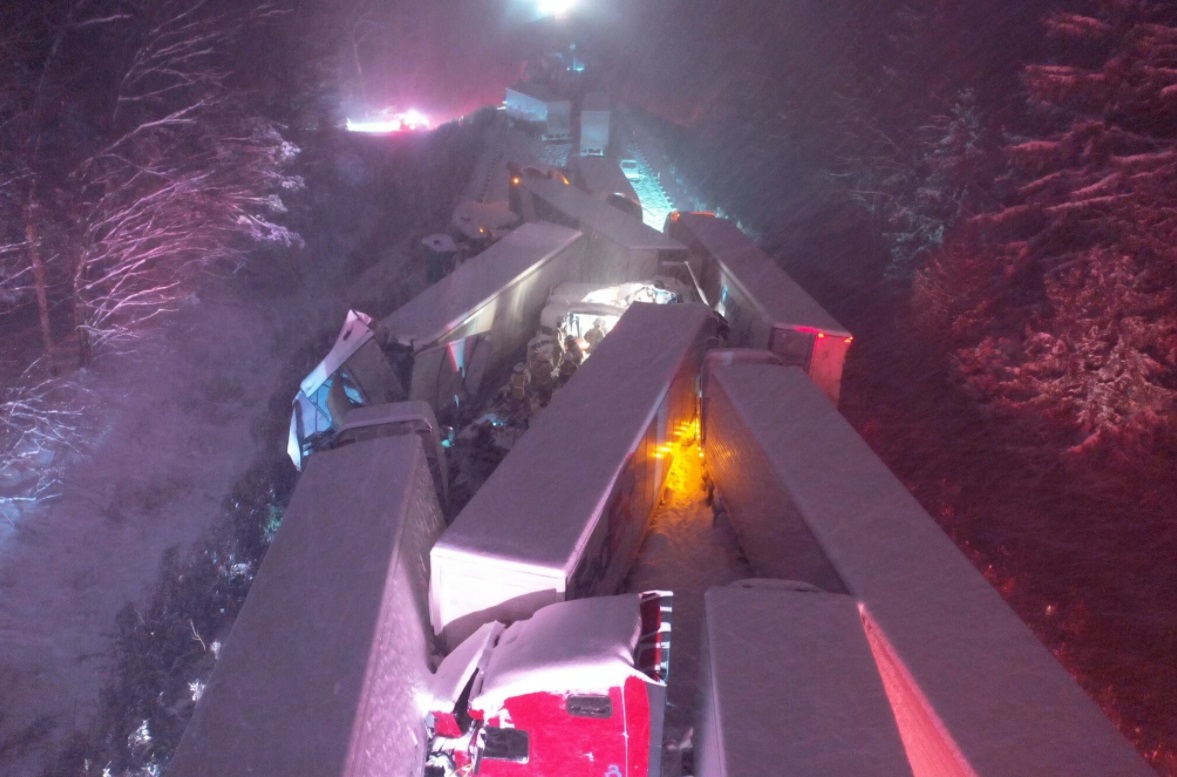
x=572, y=350
x=595, y=335
x=573, y=356
x=520, y=383
x=541, y=369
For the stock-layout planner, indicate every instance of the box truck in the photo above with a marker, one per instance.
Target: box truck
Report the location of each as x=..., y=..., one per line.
x=594, y=124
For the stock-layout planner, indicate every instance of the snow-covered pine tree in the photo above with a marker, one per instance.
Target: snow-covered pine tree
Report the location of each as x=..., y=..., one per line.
x=1082, y=255
x=949, y=181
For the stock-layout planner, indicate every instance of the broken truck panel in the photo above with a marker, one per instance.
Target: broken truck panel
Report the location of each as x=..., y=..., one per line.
x=443, y=346
x=355, y=372
x=569, y=691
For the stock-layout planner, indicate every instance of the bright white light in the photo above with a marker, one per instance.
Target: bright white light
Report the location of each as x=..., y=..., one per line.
x=406, y=121
x=555, y=7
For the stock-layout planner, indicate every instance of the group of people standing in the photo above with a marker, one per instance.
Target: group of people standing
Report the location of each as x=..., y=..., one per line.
x=553, y=357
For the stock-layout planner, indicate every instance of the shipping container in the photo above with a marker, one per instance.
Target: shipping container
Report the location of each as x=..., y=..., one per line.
x=973, y=690
x=764, y=307
x=788, y=686
x=563, y=515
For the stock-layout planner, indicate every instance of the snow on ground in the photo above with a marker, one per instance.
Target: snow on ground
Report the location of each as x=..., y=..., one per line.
x=687, y=550
x=178, y=430
x=657, y=188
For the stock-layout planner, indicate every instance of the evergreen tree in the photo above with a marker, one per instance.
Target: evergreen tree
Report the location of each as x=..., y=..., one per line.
x=1080, y=320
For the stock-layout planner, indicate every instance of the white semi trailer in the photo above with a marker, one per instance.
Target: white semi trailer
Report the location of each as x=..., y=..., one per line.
x=764, y=307
x=594, y=124
x=539, y=105
x=562, y=517
x=328, y=668
x=447, y=345
x=787, y=679
x=973, y=690
x=321, y=672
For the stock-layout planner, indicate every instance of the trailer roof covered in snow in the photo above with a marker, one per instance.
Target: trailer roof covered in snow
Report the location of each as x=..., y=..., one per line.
x=970, y=683
x=322, y=670
x=602, y=176
x=599, y=217
x=536, y=90
x=539, y=507
x=790, y=681
x=583, y=645
x=780, y=300
x=439, y=309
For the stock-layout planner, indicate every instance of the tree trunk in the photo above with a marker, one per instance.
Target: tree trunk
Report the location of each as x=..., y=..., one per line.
x=78, y=305
x=32, y=236
x=85, y=347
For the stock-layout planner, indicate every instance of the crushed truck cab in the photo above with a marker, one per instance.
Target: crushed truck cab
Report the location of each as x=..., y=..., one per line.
x=577, y=689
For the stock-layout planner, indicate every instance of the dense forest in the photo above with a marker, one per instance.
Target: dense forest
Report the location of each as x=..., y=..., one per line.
x=986, y=196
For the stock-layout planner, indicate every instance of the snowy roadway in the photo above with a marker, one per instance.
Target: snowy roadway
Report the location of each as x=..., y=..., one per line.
x=657, y=188
x=685, y=551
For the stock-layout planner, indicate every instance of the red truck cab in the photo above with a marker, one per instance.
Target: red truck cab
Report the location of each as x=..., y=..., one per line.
x=577, y=689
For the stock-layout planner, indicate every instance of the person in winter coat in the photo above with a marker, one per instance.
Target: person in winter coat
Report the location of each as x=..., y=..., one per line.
x=595, y=335
x=520, y=382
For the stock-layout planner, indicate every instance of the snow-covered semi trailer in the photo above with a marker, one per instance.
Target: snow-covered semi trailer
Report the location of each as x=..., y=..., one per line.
x=621, y=246
x=321, y=672
x=447, y=344
x=327, y=670
x=594, y=124
x=563, y=515
x=764, y=307
x=539, y=105
x=602, y=178
x=464, y=330
x=973, y=690
x=788, y=686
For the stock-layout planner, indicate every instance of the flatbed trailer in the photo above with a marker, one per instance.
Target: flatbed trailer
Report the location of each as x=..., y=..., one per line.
x=764, y=307
x=974, y=691
x=563, y=515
